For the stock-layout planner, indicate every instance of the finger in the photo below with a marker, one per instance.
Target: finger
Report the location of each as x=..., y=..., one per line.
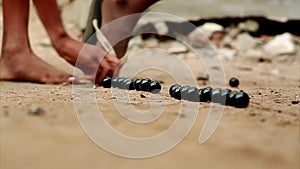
x=75, y=80
x=103, y=71
x=113, y=60
x=90, y=77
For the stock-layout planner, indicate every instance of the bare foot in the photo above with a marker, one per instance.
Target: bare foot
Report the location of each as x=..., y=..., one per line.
x=22, y=65
x=91, y=59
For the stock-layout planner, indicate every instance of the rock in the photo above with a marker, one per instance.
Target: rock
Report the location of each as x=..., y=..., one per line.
x=36, y=111
x=281, y=44
x=178, y=49
x=210, y=28
x=191, y=55
x=254, y=54
x=262, y=59
x=136, y=41
x=249, y=26
x=202, y=76
x=217, y=38
x=233, y=31
x=226, y=53
x=227, y=41
x=181, y=56
x=151, y=43
x=244, y=68
x=244, y=41
x=197, y=38
x=201, y=35
x=45, y=42
x=161, y=28
x=296, y=40
x=143, y=96
x=275, y=72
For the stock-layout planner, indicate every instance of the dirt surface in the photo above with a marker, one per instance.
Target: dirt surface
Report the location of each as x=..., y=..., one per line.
x=264, y=135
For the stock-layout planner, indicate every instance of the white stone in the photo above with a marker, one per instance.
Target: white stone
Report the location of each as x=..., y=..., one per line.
x=244, y=41
x=226, y=53
x=178, y=49
x=197, y=38
x=275, y=71
x=281, y=44
x=135, y=41
x=45, y=42
x=209, y=28
x=249, y=25
x=253, y=54
x=161, y=28
x=36, y=110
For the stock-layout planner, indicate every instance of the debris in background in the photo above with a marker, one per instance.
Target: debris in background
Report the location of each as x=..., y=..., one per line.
x=275, y=72
x=161, y=28
x=209, y=28
x=249, y=26
x=244, y=41
x=151, y=43
x=281, y=44
x=203, y=76
x=226, y=53
x=178, y=49
x=255, y=54
x=36, y=111
x=199, y=37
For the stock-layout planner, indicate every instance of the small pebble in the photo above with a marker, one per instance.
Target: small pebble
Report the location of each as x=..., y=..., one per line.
x=36, y=111
x=142, y=96
x=203, y=76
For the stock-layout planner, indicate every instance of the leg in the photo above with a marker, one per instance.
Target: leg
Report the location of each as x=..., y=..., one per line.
x=18, y=62
x=95, y=13
x=70, y=49
x=114, y=9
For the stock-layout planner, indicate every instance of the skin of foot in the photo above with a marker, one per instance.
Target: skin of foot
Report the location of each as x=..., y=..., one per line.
x=24, y=65
x=17, y=60
x=21, y=64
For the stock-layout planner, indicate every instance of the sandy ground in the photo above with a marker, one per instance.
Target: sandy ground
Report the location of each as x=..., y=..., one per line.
x=263, y=136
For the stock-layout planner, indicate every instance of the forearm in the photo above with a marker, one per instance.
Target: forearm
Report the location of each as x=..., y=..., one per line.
x=50, y=16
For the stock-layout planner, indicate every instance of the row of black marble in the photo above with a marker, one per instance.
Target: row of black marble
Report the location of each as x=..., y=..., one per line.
x=208, y=94
x=222, y=96
x=146, y=85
